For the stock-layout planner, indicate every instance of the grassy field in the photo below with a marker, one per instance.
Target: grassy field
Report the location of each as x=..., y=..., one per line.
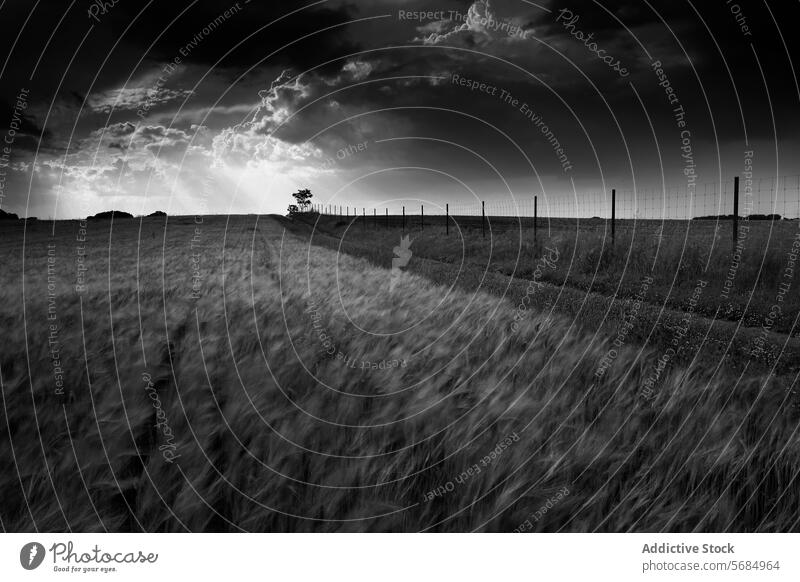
x=226, y=375
x=677, y=253
x=594, y=282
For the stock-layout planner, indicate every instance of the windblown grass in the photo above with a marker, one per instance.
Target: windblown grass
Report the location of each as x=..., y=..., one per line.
x=273, y=432
x=677, y=253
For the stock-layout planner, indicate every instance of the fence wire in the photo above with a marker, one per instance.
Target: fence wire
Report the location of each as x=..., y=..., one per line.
x=776, y=198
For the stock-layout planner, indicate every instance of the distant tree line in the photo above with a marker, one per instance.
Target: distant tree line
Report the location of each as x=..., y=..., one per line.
x=749, y=217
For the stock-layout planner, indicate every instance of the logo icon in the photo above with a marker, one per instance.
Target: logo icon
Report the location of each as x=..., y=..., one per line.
x=402, y=257
x=31, y=555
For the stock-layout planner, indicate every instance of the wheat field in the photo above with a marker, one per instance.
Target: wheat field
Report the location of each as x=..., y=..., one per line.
x=226, y=375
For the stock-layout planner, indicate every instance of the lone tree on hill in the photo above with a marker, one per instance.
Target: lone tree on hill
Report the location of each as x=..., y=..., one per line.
x=303, y=198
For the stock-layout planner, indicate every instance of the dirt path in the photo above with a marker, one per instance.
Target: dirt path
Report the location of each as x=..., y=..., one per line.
x=722, y=342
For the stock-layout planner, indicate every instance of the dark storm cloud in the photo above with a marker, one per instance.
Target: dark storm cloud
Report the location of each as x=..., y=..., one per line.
x=159, y=30
x=716, y=47
x=229, y=23
x=714, y=63
x=15, y=117
x=132, y=39
x=600, y=16
x=269, y=113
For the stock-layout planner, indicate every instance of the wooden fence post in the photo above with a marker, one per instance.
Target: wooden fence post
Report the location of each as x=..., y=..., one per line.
x=483, y=218
x=535, y=216
x=613, y=216
x=735, y=211
x=447, y=219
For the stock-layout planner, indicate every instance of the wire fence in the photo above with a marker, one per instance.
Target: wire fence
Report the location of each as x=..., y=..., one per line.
x=663, y=212
x=775, y=198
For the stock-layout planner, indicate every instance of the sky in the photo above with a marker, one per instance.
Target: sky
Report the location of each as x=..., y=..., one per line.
x=200, y=107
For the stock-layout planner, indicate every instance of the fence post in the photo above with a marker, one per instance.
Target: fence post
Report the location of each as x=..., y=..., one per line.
x=422, y=217
x=364, y=218
x=613, y=216
x=447, y=219
x=735, y=211
x=387, y=218
x=404, y=219
x=535, y=216
x=483, y=218
x=375, y=217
